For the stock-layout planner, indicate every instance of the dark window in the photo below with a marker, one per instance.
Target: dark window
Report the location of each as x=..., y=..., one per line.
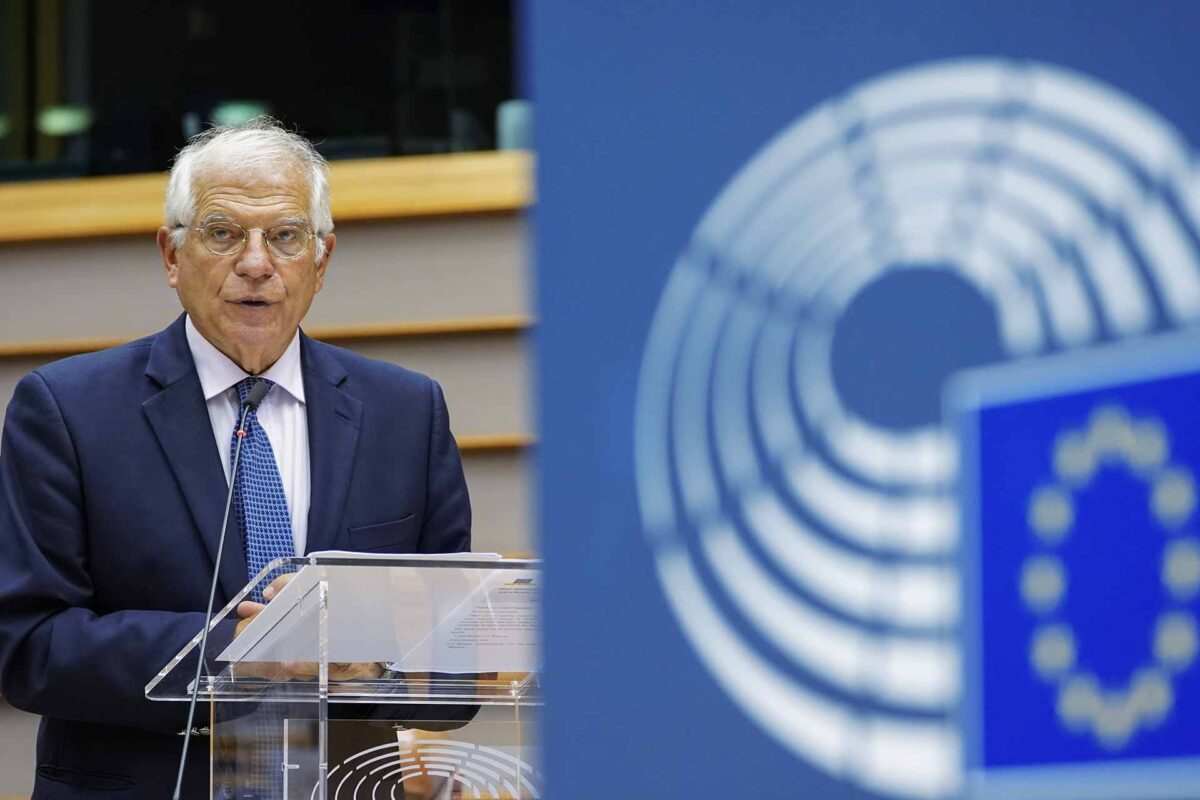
x=93, y=88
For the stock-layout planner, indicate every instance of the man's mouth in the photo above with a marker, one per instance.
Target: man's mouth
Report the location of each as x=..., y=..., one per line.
x=253, y=303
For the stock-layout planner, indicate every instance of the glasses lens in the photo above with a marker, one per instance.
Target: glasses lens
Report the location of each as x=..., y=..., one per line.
x=223, y=238
x=287, y=241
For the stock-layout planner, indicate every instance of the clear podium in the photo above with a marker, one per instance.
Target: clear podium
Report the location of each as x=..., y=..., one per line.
x=372, y=677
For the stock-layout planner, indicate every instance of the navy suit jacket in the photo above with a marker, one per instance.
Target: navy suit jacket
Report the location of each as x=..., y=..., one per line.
x=111, y=496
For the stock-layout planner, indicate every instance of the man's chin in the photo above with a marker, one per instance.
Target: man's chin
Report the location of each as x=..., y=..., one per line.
x=255, y=344
x=255, y=333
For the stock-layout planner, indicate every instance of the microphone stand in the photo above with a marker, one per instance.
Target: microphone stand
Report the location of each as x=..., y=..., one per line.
x=257, y=393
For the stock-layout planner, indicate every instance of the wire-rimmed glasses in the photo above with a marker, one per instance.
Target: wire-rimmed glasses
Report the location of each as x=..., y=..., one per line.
x=224, y=238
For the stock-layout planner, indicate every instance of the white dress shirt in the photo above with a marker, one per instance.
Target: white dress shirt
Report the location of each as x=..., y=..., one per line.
x=282, y=415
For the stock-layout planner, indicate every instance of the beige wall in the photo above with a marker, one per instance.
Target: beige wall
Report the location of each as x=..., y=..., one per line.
x=382, y=272
x=18, y=732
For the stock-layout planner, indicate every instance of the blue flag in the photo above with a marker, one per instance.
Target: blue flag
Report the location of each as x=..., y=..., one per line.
x=1082, y=575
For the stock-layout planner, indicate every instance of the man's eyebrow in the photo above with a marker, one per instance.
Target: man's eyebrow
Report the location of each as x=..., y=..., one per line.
x=216, y=216
x=219, y=216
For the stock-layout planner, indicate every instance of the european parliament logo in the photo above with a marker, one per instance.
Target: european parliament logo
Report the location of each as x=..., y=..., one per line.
x=1082, y=542
x=796, y=477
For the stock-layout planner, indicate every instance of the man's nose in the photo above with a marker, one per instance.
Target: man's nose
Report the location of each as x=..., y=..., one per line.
x=255, y=260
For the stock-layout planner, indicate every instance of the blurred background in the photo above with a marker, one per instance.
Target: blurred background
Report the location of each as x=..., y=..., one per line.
x=786, y=558
x=362, y=79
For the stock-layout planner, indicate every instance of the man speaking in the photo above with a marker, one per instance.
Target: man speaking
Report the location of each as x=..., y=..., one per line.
x=114, y=467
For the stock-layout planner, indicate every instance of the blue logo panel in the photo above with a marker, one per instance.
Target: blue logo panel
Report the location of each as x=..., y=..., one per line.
x=1082, y=537
x=765, y=243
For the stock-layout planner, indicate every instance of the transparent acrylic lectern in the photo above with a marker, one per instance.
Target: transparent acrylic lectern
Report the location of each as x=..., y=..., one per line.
x=374, y=677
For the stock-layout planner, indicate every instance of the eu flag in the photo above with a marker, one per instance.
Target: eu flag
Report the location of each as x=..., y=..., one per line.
x=1081, y=546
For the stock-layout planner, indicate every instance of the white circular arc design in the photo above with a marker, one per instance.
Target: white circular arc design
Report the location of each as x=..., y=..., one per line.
x=804, y=550
x=484, y=773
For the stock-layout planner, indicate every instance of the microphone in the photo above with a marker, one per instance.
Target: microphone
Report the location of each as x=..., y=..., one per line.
x=257, y=392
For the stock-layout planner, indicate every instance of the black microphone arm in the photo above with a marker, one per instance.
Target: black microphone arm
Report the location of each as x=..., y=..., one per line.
x=256, y=395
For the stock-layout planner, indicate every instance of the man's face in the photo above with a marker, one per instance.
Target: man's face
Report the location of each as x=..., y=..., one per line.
x=250, y=303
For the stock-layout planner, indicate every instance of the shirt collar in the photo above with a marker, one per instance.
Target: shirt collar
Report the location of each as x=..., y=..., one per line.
x=218, y=373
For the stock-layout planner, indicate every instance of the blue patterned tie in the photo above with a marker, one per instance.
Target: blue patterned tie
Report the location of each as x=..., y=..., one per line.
x=259, y=501
x=266, y=523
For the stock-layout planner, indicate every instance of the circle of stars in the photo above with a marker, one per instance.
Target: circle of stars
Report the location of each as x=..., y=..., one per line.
x=1142, y=446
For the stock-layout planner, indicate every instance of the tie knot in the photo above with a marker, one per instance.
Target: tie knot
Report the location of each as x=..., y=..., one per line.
x=246, y=384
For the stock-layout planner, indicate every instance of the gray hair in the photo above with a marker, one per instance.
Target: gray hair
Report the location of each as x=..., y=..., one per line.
x=261, y=143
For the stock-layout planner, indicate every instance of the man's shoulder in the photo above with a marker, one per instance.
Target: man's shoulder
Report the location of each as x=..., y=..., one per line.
x=88, y=370
x=365, y=371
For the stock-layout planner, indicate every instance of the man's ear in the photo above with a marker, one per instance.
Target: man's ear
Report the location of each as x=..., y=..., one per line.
x=323, y=264
x=170, y=255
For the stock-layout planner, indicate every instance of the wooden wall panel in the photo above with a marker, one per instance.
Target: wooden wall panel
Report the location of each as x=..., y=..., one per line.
x=369, y=188
x=424, y=270
x=501, y=486
x=381, y=272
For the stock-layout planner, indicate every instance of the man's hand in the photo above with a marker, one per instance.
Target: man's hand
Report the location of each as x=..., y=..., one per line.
x=295, y=670
x=307, y=671
x=248, y=609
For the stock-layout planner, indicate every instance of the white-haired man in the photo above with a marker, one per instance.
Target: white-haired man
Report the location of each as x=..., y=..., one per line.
x=114, y=467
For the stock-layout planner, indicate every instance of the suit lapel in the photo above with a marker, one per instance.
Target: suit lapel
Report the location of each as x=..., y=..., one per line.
x=179, y=418
x=334, y=418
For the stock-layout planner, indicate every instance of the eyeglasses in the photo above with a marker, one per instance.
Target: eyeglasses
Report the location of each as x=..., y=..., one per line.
x=228, y=238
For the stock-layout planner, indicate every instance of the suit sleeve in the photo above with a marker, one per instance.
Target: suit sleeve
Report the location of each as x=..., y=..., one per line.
x=447, y=524
x=58, y=656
